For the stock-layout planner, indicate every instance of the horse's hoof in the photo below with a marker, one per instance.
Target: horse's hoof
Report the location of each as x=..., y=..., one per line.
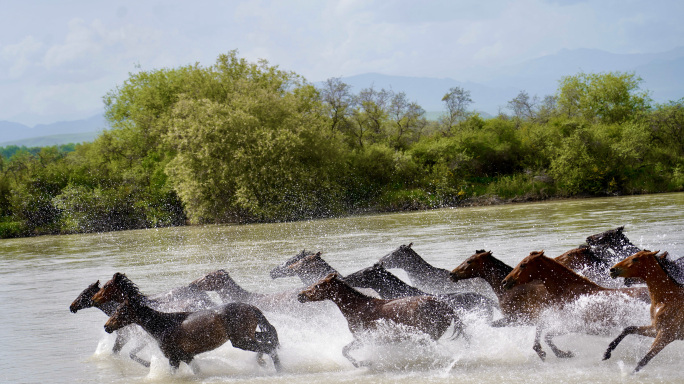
x=606, y=356
x=565, y=355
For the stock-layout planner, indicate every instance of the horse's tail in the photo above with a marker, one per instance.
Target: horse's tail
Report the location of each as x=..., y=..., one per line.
x=267, y=334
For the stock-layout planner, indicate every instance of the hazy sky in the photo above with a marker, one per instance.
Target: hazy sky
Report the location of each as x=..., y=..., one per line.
x=58, y=58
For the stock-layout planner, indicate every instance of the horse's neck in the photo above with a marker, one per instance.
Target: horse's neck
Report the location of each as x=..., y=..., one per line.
x=661, y=287
x=235, y=292
x=157, y=323
x=390, y=286
x=563, y=281
x=108, y=308
x=350, y=301
x=494, y=274
x=420, y=270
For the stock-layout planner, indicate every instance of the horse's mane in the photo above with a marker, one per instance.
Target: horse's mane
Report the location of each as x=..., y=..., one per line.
x=567, y=270
x=671, y=269
x=129, y=288
x=499, y=264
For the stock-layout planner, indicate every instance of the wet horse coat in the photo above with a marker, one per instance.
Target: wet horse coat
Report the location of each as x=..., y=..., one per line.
x=667, y=302
x=363, y=313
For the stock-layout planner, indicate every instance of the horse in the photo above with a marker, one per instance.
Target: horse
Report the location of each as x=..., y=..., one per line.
x=222, y=283
x=612, y=245
x=423, y=275
x=667, y=301
x=182, y=335
x=185, y=298
x=84, y=300
x=521, y=305
x=364, y=314
x=389, y=286
x=563, y=285
x=309, y=267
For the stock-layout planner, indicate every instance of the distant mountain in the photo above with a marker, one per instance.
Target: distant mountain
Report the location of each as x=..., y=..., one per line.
x=662, y=75
x=12, y=132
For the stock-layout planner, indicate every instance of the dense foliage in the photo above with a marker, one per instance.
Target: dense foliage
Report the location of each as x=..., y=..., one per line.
x=244, y=142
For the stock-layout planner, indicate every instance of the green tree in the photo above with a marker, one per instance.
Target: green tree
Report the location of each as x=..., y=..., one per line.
x=608, y=98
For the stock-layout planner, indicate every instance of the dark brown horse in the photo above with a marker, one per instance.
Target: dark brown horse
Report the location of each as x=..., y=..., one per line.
x=389, y=286
x=307, y=266
x=363, y=313
x=84, y=300
x=564, y=286
x=423, y=275
x=667, y=302
x=222, y=283
x=182, y=335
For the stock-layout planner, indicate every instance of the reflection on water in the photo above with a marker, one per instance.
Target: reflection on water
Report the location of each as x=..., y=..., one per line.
x=41, y=341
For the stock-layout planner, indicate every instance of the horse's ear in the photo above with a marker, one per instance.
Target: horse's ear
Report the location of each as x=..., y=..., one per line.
x=318, y=254
x=410, y=244
x=332, y=276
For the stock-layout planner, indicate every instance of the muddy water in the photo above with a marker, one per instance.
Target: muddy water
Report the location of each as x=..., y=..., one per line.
x=41, y=341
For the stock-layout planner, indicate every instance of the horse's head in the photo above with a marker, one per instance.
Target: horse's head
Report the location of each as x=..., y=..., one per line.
x=474, y=266
x=610, y=237
x=117, y=289
x=637, y=265
x=531, y=268
x=311, y=268
x=283, y=269
x=214, y=281
x=85, y=299
x=323, y=289
x=124, y=315
x=365, y=278
x=400, y=257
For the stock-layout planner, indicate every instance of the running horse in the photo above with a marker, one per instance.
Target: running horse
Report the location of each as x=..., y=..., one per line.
x=564, y=285
x=423, y=275
x=667, y=301
x=309, y=267
x=363, y=313
x=182, y=335
x=84, y=300
x=229, y=290
x=389, y=286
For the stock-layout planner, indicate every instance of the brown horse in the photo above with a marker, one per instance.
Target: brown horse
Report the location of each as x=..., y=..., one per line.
x=182, y=335
x=309, y=267
x=389, y=286
x=222, y=283
x=363, y=313
x=667, y=301
x=564, y=285
x=84, y=300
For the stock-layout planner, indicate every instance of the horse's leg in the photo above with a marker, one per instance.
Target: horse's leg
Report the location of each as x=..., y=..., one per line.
x=537, y=344
x=659, y=343
x=120, y=341
x=559, y=353
x=502, y=322
x=276, y=360
x=347, y=348
x=133, y=355
x=647, y=330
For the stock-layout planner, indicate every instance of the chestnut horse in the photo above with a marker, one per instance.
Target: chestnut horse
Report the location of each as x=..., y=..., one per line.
x=667, y=302
x=220, y=282
x=423, y=275
x=564, y=285
x=364, y=313
x=84, y=300
x=182, y=335
x=389, y=286
x=309, y=272
x=521, y=305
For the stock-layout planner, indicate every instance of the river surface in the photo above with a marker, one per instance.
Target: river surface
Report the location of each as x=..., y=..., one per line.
x=42, y=342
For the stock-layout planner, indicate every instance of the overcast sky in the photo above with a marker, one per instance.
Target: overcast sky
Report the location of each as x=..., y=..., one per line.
x=58, y=58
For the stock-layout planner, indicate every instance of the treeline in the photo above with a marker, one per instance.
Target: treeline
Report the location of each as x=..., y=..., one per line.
x=248, y=142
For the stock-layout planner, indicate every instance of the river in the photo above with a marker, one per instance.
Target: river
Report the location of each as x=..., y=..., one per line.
x=42, y=342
